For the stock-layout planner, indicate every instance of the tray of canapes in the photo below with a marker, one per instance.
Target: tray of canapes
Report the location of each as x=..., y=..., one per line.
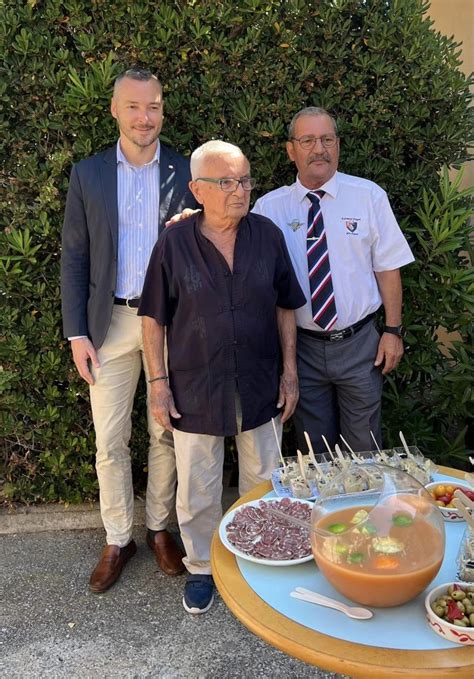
x=305, y=476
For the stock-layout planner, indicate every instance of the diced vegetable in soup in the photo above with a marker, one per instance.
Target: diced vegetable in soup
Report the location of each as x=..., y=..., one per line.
x=377, y=556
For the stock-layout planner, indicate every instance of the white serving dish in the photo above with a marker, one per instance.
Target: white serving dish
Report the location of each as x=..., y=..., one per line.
x=449, y=513
x=459, y=635
x=249, y=557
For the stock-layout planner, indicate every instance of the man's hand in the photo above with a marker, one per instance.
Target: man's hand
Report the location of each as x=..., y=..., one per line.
x=82, y=352
x=187, y=212
x=288, y=394
x=162, y=404
x=390, y=351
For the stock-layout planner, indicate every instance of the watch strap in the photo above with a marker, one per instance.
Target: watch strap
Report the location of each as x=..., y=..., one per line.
x=397, y=330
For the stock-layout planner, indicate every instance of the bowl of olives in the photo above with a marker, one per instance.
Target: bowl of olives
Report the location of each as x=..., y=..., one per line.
x=450, y=612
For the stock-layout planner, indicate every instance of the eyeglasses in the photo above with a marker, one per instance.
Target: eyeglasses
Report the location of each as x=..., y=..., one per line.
x=308, y=141
x=229, y=184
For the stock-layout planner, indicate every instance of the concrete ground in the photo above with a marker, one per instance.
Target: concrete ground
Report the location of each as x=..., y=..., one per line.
x=52, y=626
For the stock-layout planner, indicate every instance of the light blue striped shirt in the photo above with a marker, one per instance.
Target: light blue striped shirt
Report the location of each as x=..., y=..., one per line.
x=138, y=197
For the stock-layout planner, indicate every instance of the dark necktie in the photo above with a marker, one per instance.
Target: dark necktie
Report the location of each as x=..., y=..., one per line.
x=320, y=282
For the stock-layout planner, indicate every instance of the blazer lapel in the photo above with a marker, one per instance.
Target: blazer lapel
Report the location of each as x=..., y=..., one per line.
x=167, y=185
x=108, y=177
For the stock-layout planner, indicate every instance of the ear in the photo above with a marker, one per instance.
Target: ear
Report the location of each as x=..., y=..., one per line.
x=290, y=150
x=196, y=190
x=113, y=108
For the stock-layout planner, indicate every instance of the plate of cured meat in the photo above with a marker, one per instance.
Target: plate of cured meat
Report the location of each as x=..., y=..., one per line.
x=256, y=533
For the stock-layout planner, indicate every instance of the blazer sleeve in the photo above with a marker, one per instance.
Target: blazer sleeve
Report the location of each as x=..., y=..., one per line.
x=75, y=261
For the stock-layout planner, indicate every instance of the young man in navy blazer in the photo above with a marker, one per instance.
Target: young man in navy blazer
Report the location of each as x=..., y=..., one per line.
x=117, y=204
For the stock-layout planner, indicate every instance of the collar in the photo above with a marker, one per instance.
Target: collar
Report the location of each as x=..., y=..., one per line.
x=330, y=187
x=121, y=158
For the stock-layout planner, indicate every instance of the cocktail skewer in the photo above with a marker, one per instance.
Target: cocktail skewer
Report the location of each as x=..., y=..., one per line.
x=328, y=447
x=340, y=455
x=469, y=478
x=464, y=511
x=407, y=450
x=355, y=457
x=302, y=468
x=278, y=445
x=467, y=502
x=375, y=441
x=312, y=456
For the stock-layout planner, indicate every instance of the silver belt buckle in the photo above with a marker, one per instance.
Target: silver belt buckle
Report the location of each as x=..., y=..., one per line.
x=133, y=299
x=336, y=336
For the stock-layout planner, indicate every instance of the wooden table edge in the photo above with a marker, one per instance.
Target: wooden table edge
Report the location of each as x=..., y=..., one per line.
x=355, y=660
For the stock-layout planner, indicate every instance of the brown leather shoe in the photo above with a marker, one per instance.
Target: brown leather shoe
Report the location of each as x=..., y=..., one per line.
x=168, y=555
x=107, y=571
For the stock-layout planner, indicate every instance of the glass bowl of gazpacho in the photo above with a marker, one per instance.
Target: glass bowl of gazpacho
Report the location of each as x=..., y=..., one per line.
x=377, y=535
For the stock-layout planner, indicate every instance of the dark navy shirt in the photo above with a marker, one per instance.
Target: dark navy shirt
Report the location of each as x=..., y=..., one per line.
x=222, y=328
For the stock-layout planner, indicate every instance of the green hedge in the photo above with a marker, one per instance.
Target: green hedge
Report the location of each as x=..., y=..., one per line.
x=236, y=70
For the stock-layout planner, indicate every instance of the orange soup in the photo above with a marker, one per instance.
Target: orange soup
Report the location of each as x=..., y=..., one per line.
x=377, y=556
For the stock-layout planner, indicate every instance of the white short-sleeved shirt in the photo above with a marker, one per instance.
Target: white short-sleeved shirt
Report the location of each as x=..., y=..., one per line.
x=362, y=236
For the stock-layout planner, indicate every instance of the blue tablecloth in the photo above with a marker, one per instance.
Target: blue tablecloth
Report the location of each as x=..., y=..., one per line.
x=401, y=627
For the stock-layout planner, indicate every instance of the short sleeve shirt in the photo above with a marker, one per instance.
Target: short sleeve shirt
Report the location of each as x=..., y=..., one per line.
x=222, y=328
x=362, y=234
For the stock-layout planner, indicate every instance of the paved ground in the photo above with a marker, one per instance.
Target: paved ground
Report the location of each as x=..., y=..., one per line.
x=51, y=626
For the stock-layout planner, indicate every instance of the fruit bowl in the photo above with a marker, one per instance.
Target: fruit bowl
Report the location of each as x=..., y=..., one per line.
x=441, y=491
x=447, y=630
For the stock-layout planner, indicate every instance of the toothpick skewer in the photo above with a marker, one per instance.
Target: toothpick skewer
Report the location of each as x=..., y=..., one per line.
x=467, y=502
x=375, y=441
x=405, y=445
x=469, y=478
x=312, y=456
x=328, y=447
x=340, y=456
x=355, y=457
x=464, y=511
x=309, y=444
x=302, y=468
x=278, y=445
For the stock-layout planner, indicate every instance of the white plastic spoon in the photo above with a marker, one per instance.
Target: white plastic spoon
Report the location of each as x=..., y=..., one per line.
x=313, y=597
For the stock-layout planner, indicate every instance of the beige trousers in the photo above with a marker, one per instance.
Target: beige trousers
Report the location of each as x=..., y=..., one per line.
x=121, y=359
x=199, y=461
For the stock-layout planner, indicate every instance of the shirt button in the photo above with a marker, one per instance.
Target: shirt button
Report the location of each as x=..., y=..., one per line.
x=232, y=308
x=235, y=342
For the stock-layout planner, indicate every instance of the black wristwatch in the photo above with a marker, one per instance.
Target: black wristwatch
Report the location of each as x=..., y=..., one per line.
x=397, y=330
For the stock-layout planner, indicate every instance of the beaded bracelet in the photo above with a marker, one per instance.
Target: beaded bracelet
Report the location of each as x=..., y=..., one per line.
x=155, y=379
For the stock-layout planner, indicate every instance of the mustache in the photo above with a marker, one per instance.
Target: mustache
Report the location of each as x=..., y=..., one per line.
x=319, y=156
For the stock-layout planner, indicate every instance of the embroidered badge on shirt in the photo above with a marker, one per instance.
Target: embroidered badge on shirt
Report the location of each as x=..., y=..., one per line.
x=295, y=225
x=351, y=224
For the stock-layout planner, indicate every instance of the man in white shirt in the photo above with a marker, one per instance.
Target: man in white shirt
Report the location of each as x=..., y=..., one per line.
x=341, y=355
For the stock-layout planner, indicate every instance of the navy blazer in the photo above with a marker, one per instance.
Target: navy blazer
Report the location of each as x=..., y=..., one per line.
x=90, y=236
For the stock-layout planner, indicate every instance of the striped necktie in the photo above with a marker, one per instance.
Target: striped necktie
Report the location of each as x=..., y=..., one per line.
x=320, y=281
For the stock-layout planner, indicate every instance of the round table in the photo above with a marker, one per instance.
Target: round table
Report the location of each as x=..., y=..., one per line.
x=329, y=653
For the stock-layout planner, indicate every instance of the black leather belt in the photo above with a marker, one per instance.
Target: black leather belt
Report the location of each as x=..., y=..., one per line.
x=132, y=303
x=337, y=335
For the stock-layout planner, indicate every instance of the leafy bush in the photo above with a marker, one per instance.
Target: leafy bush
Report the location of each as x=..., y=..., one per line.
x=238, y=71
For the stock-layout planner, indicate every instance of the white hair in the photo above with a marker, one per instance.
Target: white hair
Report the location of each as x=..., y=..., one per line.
x=211, y=149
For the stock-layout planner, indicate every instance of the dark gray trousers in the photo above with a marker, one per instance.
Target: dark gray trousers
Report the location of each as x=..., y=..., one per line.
x=340, y=390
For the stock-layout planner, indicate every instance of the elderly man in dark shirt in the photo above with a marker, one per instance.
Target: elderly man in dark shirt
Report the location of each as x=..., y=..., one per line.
x=222, y=284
